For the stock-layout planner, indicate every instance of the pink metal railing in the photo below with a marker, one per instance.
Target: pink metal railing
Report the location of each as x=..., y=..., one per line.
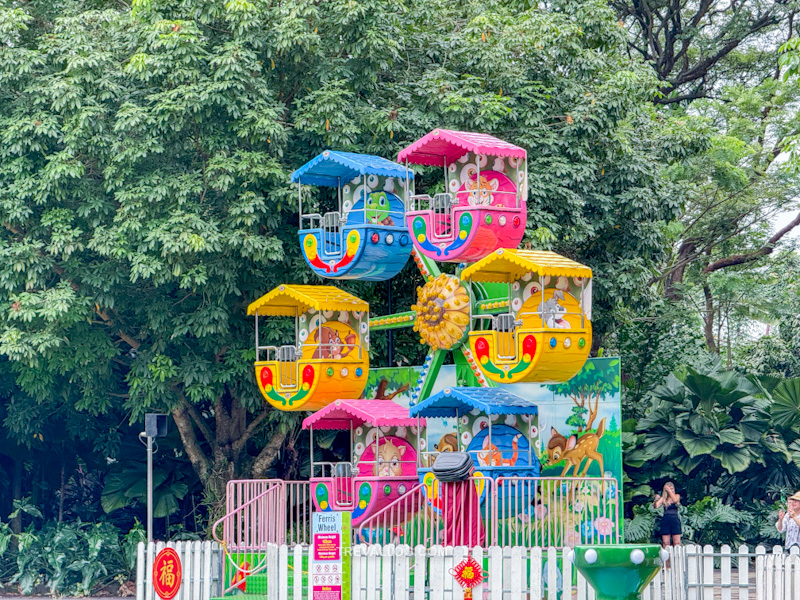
x=298, y=512
x=277, y=510
x=256, y=516
x=509, y=511
x=445, y=513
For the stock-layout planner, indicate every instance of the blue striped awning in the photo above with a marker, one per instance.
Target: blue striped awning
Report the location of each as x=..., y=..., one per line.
x=334, y=169
x=457, y=401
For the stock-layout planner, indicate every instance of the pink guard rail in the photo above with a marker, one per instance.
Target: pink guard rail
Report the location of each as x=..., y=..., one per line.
x=508, y=511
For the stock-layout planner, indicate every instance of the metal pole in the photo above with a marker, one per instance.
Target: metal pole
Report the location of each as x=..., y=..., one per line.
x=390, y=350
x=149, y=489
x=311, y=445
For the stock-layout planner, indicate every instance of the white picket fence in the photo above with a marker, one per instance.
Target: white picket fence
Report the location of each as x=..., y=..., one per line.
x=201, y=563
x=405, y=573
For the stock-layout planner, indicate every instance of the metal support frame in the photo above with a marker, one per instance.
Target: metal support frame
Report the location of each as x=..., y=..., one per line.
x=149, y=489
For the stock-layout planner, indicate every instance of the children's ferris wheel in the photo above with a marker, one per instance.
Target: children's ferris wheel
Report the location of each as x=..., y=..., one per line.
x=506, y=315
x=510, y=316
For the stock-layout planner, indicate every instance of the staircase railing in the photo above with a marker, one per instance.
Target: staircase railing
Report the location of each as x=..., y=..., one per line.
x=442, y=513
x=249, y=527
x=508, y=511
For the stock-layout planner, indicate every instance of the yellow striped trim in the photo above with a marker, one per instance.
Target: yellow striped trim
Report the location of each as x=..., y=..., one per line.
x=288, y=300
x=505, y=265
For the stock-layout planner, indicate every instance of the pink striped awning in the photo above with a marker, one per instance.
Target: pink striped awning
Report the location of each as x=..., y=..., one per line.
x=378, y=413
x=445, y=144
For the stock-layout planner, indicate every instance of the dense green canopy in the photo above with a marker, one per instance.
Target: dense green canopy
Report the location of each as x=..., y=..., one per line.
x=145, y=153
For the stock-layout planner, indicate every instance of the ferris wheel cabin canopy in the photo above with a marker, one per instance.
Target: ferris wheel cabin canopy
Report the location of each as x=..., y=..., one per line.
x=333, y=169
x=458, y=401
x=289, y=300
x=448, y=146
x=341, y=414
x=506, y=266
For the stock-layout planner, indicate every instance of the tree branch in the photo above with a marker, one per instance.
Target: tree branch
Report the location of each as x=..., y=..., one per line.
x=198, y=420
x=131, y=341
x=197, y=457
x=239, y=444
x=268, y=455
x=766, y=249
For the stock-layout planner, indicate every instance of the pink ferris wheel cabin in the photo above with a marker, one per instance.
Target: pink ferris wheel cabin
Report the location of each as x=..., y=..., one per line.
x=483, y=206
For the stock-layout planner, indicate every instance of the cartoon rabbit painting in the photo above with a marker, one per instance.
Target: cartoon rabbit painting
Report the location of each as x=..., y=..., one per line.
x=552, y=311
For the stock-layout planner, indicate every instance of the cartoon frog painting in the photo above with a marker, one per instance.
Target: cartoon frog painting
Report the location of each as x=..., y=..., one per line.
x=378, y=209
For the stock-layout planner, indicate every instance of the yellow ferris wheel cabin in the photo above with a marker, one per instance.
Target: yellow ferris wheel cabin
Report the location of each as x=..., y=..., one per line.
x=330, y=355
x=546, y=335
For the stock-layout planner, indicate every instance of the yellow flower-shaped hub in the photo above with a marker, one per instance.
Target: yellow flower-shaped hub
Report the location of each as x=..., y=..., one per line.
x=442, y=312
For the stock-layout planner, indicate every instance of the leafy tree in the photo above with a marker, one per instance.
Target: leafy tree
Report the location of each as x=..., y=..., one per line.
x=146, y=153
x=576, y=420
x=694, y=47
x=653, y=343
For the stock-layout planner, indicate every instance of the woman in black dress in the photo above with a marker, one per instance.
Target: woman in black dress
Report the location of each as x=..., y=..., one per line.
x=670, y=522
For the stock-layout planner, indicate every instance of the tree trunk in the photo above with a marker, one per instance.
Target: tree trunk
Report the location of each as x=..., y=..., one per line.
x=268, y=455
x=592, y=412
x=728, y=341
x=709, y=320
x=191, y=445
x=16, y=493
x=675, y=276
x=61, y=493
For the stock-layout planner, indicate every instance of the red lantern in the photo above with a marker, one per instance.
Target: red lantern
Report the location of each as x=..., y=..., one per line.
x=469, y=574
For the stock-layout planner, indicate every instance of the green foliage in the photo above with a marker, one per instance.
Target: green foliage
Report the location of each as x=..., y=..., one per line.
x=127, y=486
x=707, y=421
x=711, y=521
x=729, y=443
x=144, y=179
x=74, y=558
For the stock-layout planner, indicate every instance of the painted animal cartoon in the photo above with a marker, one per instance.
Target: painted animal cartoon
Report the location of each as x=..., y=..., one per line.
x=574, y=450
x=331, y=345
x=480, y=189
x=491, y=456
x=552, y=312
x=378, y=209
x=387, y=463
x=448, y=443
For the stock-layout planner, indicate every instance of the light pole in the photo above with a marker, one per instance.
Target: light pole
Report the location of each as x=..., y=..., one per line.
x=155, y=425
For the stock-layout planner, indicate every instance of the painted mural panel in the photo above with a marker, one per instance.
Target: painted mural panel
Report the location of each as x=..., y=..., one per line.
x=575, y=434
x=578, y=429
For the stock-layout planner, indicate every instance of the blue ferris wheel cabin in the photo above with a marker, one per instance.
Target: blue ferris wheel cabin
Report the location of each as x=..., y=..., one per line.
x=365, y=237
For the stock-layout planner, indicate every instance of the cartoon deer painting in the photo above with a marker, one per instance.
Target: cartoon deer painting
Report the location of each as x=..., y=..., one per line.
x=574, y=450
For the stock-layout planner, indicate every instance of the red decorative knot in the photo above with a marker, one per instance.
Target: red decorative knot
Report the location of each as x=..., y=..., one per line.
x=468, y=574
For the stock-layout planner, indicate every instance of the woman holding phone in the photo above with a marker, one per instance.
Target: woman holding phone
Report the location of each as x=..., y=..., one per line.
x=671, y=521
